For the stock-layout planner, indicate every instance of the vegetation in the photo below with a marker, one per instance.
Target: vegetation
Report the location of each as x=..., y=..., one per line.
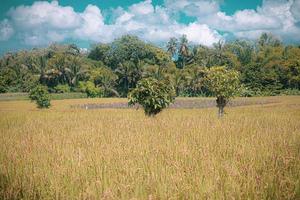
x=41, y=96
x=224, y=84
x=65, y=153
x=53, y=96
x=62, y=88
x=266, y=66
x=153, y=95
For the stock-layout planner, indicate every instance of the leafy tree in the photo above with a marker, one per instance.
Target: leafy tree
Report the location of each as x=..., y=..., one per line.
x=40, y=95
x=57, y=72
x=152, y=95
x=194, y=78
x=243, y=50
x=106, y=79
x=101, y=52
x=222, y=83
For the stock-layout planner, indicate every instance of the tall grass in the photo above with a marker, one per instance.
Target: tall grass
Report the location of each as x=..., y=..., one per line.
x=64, y=153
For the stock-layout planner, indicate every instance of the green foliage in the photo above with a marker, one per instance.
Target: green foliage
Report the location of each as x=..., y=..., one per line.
x=222, y=83
x=62, y=88
x=101, y=53
x=104, y=78
x=246, y=92
x=91, y=90
x=153, y=95
x=40, y=95
x=290, y=92
x=266, y=66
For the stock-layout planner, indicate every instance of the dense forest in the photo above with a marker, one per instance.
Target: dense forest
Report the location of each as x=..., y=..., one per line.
x=266, y=66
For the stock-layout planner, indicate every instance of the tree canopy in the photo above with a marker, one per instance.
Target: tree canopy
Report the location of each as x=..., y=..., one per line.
x=266, y=66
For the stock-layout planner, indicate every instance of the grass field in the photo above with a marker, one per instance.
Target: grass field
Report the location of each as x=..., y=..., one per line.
x=55, y=96
x=73, y=153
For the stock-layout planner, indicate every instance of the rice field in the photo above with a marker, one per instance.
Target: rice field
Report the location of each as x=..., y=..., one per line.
x=68, y=152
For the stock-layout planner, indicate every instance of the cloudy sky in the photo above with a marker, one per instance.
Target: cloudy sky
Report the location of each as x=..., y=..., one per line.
x=28, y=23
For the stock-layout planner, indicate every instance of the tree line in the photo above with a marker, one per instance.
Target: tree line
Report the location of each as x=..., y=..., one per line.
x=265, y=67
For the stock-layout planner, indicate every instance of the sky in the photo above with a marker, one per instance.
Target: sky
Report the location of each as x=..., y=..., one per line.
x=26, y=24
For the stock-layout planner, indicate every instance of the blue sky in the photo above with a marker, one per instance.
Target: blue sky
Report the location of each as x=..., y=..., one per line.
x=29, y=23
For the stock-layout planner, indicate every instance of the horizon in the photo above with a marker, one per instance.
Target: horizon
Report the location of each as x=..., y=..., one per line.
x=33, y=24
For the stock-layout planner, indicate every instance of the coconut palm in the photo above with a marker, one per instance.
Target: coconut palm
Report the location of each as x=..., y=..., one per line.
x=75, y=70
x=183, y=50
x=172, y=46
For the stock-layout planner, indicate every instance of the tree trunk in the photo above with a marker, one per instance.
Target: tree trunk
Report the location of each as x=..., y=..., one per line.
x=221, y=103
x=221, y=111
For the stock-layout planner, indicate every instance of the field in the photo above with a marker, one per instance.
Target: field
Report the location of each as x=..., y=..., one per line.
x=68, y=152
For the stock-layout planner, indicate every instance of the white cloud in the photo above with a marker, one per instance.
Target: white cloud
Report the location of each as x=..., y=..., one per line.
x=45, y=22
x=277, y=16
x=197, y=8
x=142, y=8
x=200, y=34
x=43, y=13
x=273, y=16
x=92, y=24
x=6, y=30
x=154, y=24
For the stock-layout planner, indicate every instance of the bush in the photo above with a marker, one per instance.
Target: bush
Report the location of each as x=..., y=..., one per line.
x=62, y=88
x=92, y=91
x=152, y=95
x=81, y=87
x=246, y=92
x=290, y=92
x=41, y=96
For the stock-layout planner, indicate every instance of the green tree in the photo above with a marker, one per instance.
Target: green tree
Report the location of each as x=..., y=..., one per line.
x=105, y=78
x=183, y=51
x=75, y=70
x=222, y=83
x=41, y=96
x=172, y=46
x=268, y=39
x=153, y=95
x=128, y=76
x=194, y=77
x=101, y=52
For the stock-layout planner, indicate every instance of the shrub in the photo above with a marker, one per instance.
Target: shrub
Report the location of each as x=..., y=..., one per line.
x=92, y=91
x=246, y=92
x=41, y=96
x=290, y=92
x=62, y=88
x=81, y=86
x=152, y=95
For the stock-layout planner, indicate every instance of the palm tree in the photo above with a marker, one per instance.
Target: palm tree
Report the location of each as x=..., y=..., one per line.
x=172, y=46
x=183, y=50
x=75, y=70
x=129, y=74
x=57, y=72
x=43, y=64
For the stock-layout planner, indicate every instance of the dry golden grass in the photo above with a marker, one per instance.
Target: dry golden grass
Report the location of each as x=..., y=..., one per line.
x=64, y=153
